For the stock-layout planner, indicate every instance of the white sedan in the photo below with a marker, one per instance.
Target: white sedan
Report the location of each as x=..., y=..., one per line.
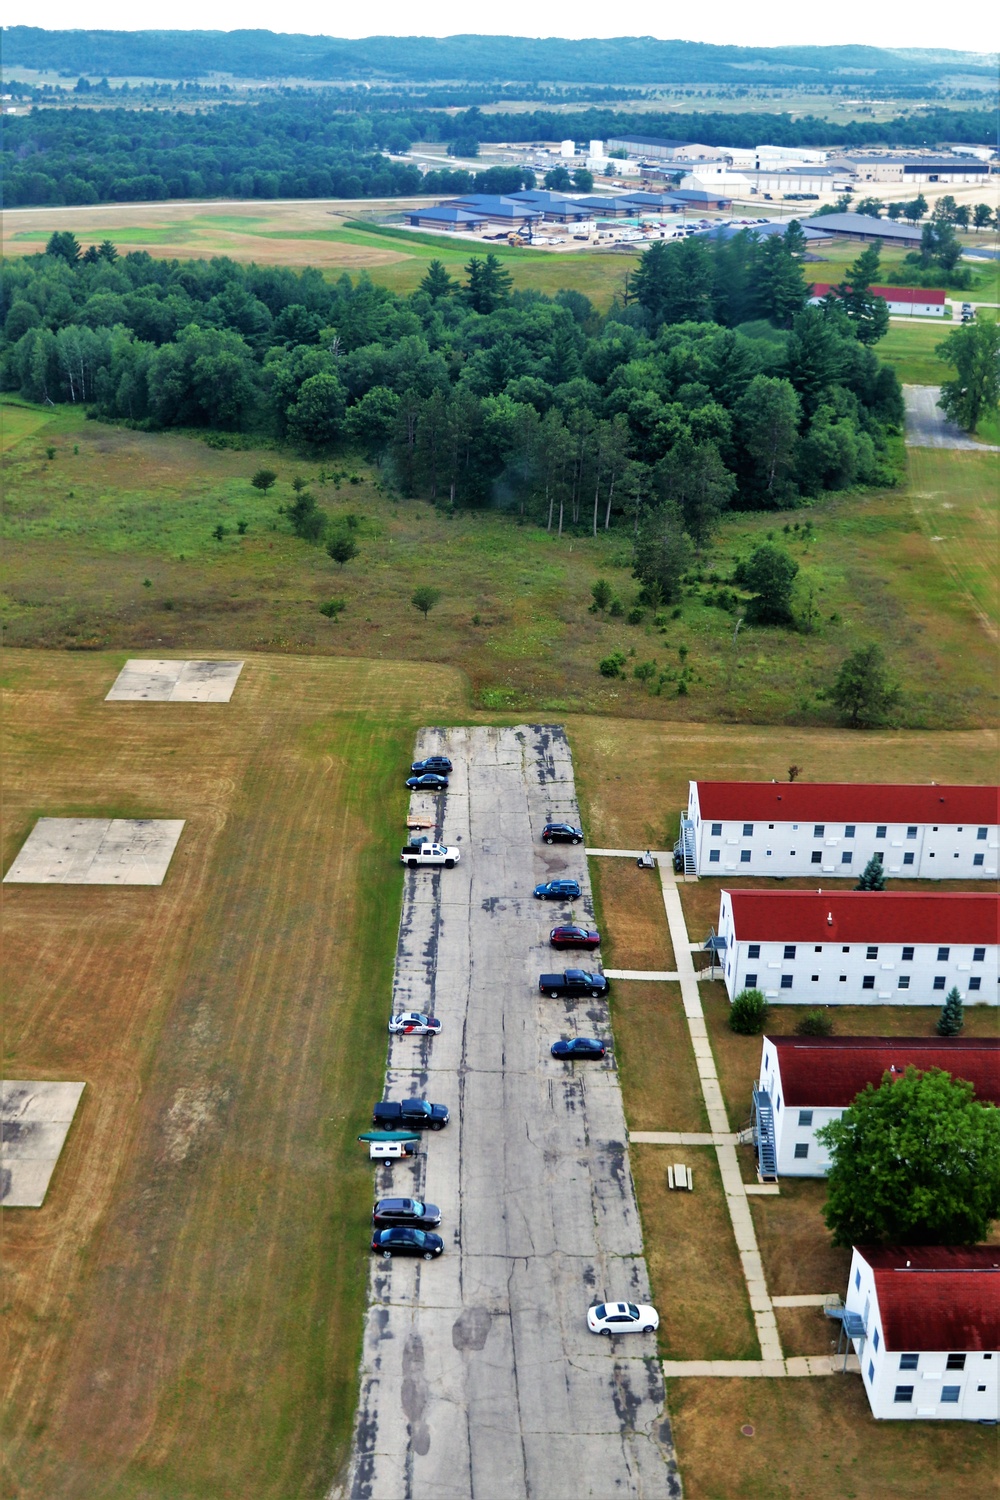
x=622, y=1317
x=413, y=1023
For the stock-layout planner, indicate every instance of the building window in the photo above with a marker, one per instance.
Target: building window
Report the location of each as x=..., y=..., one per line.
x=907, y=956
x=904, y=1393
x=748, y=830
x=744, y=856
x=871, y=1372
x=801, y=1150
x=955, y=1362
x=849, y=831
x=805, y=1116
x=716, y=830
x=978, y=859
x=846, y=857
x=819, y=831
x=943, y=955
x=909, y=1361
x=880, y=831
x=978, y=955
x=907, y=859
x=751, y=981
x=786, y=981
x=904, y=982
x=950, y=1394
x=872, y=952
x=753, y=951
x=814, y=979
x=816, y=857
x=857, y=1280
x=911, y=832
x=878, y=855
x=789, y=951
x=868, y=983
x=713, y=856
x=939, y=981
x=845, y=949
x=975, y=983
x=843, y=978
x=980, y=833
x=875, y=1341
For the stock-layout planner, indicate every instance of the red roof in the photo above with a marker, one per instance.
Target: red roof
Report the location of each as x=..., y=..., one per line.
x=943, y=1298
x=847, y=802
x=830, y=1072
x=865, y=916
x=913, y=294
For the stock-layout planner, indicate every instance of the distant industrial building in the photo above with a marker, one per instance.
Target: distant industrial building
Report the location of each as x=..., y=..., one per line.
x=657, y=148
x=864, y=227
x=717, y=177
x=779, y=181
x=446, y=216
x=904, y=301
x=555, y=208
x=918, y=171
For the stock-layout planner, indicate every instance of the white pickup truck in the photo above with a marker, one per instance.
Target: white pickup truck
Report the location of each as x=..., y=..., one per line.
x=415, y=855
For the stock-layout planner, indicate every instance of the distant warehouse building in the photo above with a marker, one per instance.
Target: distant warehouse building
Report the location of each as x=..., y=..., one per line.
x=779, y=181
x=859, y=947
x=807, y=1082
x=833, y=828
x=658, y=148
x=903, y=301
x=446, y=216
x=866, y=228
x=920, y=171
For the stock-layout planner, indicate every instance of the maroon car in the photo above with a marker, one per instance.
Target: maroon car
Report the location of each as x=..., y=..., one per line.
x=571, y=936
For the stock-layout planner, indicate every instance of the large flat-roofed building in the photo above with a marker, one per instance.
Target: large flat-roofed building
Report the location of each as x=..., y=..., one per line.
x=834, y=828
x=903, y=301
x=556, y=208
x=779, y=180
x=926, y=1330
x=841, y=947
x=921, y=171
x=659, y=148
x=865, y=228
x=807, y=1082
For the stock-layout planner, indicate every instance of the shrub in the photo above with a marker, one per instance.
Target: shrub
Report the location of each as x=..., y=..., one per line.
x=332, y=608
x=611, y=666
x=748, y=1013
x=602, y=594
x=635, y=616
x=644, y=670
x=952, y=1017
x=815, y=1023
x=616, y=609
x=264, y=479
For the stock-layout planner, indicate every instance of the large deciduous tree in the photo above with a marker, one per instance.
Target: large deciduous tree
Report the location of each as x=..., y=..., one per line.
x=975, y=353
x=914, y=1161
x=863, y=690
x=769, y=574
x=662, y=552
x=695, y=478
x=767, y=418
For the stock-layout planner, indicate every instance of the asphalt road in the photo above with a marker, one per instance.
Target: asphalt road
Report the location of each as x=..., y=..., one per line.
x=479, y=1378
x=928, y=427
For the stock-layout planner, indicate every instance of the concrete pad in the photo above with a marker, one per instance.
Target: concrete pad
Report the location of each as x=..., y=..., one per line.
x=96, y=851
x=817, y=1299
x=141, y=681
x=34, y=1122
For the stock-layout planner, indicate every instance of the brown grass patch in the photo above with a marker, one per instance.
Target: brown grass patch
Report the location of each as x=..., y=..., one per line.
x=636, y=935
x=806, y=1330
x=694, y=1267
x=653, y=1048
x=799, y=1258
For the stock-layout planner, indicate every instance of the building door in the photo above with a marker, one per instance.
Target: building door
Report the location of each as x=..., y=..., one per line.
x=980, y=1402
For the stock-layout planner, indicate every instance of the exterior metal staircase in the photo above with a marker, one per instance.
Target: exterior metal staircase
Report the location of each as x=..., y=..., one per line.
x=762, y=1126
x=684, y=849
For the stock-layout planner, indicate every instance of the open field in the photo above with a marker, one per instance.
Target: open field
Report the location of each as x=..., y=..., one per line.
x=910, y=348
x=112, y=545
x=954, y=496
x=184, y=1314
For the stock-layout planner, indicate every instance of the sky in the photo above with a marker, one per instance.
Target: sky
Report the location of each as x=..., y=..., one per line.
x=725, y=21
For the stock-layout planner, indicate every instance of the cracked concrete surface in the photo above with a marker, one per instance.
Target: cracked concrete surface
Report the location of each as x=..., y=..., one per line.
x=479, y=1379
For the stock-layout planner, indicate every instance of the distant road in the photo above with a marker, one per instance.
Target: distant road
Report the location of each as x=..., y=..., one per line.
x=928, y=427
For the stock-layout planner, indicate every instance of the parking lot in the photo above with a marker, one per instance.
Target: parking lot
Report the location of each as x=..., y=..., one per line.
x=479, y=1377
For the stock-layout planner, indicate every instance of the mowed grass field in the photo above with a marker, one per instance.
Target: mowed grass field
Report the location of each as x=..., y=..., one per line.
x=184, y=1314
x=111, y=544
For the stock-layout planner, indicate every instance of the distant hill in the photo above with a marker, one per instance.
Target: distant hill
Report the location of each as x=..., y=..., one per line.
x=621, y=60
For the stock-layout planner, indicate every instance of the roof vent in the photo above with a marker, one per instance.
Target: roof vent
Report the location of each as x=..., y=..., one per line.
x=829, y=919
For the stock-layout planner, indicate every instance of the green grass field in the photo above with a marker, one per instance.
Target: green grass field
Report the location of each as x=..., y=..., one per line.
x=910, y=348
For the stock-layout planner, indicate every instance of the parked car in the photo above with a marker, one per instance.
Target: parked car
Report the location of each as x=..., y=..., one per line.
x=412, y=1114
x=408, y=1212
x=562, y=833
x=413, y=1023
x=429, y=782
x=571, y=936
x=389, y=1242
x=572, y=982
x=579, y=1046
x=427, y=853
x=558, y=890
x=439, y=763
x=622, y=1317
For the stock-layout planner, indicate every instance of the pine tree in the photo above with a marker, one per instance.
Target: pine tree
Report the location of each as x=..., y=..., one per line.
x=437, y=283
x=872, y=876
x=952, y=1017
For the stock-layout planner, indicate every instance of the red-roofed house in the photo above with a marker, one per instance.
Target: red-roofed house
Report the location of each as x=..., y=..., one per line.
x=859, y=947
x=805, y=1082
x=930, y=1316
x=834, y=828
x=904, y=301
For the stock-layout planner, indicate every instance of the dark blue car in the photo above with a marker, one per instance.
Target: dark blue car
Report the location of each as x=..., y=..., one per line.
x=430, y=782
x=389, y=1242
x=558, y=890
x=439, y=763
x=579, y=1046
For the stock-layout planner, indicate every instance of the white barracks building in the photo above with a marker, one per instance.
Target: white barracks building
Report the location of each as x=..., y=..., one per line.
x=860, y=947
x=924, y=1321
x=806, y=1082
x=798, y=828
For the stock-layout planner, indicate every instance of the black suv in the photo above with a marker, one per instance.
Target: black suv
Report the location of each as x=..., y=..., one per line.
x=388, y=1212
x=439, y=763
x=562, y=833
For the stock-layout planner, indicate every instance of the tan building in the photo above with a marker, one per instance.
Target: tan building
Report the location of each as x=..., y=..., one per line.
x=920, y=171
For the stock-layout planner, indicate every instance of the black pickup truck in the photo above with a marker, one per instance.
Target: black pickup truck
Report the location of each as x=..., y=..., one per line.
x=412, y=1114
x=572, y=982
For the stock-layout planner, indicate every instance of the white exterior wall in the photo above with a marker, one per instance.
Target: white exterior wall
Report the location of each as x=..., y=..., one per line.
x=940, y=852
x=834, y=973
x=789, y=1129
x=892, y=171
x=904, y=309
x=881, y=1373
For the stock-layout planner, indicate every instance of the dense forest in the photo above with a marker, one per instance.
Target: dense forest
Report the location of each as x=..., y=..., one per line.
x=618, y=60
x=305, y=148
x=656, y=417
